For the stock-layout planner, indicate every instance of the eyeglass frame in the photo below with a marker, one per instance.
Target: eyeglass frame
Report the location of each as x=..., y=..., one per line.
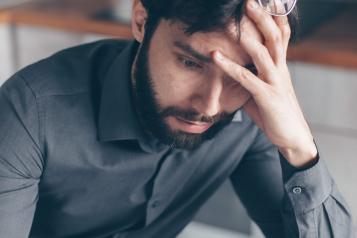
x=278, y=15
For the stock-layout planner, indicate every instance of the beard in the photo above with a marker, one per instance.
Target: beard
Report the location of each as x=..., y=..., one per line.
x=152, y=115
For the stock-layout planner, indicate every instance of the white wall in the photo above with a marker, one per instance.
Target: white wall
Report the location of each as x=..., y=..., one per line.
x=11, y=3
x=328, y=96
x=36, y=43
x=25, y=45
x=6, y=57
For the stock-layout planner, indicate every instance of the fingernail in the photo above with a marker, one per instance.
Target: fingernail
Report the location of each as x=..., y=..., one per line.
x=219, y=55
x=253, y=4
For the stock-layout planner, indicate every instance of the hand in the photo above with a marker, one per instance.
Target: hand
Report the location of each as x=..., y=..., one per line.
x=273, y=105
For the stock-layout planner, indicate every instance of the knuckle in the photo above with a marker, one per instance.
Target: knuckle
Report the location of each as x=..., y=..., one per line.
x=232, y=66
x=244, y=74
x=261, y=53
x=275, y=37
x=287, y=31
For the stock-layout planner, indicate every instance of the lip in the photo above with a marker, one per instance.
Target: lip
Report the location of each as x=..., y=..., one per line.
x=190, y=126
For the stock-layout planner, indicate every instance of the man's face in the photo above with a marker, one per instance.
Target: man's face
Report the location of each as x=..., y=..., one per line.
x=183, y=98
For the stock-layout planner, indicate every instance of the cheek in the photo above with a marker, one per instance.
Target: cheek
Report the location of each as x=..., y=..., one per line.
x=173, y=86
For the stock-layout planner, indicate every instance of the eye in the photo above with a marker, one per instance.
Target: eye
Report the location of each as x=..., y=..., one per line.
x=189, y=63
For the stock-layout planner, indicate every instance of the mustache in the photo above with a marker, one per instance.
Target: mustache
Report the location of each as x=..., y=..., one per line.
x=193, y=115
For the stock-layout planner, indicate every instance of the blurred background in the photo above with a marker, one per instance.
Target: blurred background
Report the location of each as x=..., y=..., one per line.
x=323, y=64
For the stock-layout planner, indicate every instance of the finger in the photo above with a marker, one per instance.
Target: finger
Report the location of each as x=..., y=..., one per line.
x=271, y=32
x=283, y=24
x=247, y=79
x=249, y=28
x=260, y=56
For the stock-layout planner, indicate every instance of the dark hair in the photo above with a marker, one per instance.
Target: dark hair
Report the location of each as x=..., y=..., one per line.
x=200, y=15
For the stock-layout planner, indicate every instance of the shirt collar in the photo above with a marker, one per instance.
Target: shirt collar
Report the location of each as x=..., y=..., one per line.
x=117, y=116
x=238, y=116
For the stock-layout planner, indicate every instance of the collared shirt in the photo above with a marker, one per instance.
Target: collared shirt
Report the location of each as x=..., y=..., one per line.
x=74, y=161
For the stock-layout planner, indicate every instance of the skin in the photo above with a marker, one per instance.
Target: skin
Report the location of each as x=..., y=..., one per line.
x=219, y=81
x=195, y=84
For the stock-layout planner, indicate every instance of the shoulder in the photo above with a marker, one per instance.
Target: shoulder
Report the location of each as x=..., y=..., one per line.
x=73, y=70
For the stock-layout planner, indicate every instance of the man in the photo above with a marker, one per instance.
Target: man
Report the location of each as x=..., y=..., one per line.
x=117, y=139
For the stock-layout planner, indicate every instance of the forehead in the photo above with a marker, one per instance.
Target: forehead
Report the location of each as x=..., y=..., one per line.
x=204, y=42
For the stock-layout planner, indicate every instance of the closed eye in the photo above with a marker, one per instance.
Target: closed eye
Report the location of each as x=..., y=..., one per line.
x=190, y=64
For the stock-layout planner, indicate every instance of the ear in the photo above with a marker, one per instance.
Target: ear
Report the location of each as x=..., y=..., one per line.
x=139, y=17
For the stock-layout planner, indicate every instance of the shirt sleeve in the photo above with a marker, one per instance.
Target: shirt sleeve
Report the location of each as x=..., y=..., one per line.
x=20, y=158
x=286, y=202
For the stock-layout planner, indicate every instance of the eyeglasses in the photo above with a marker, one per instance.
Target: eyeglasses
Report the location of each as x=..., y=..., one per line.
x=277, y=7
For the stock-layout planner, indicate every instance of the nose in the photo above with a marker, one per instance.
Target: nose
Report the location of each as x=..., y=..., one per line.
x=206, y=99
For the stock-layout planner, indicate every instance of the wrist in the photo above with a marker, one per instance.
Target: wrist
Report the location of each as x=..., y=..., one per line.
x=301, y=156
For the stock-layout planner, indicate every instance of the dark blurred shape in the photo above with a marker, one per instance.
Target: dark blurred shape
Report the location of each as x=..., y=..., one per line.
x=105, y=15
x=313, y=13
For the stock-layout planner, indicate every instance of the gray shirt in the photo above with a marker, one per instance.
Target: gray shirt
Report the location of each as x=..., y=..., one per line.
x=74, y=161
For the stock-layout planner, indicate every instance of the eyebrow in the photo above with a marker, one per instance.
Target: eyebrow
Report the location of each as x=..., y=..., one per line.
x=194, y=53
x=206, y=59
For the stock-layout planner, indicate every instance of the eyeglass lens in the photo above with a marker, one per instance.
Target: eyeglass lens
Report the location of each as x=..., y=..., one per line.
x=278, y=7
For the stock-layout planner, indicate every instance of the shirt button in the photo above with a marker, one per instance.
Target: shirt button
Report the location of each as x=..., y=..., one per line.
x=297, y=190
x=155, y=204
